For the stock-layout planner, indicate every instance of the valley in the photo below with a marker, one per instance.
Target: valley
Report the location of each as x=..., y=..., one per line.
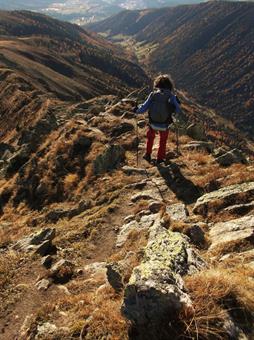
x=95, y=242
x=210, y=57
x=84, y=11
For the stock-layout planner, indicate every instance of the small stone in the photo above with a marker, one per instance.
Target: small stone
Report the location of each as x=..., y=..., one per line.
x=43, y=284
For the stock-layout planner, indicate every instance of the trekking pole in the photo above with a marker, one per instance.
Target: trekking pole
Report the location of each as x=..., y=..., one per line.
x=177, y=140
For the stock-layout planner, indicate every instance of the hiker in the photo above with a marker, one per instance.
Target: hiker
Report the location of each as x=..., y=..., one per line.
x=161, y=103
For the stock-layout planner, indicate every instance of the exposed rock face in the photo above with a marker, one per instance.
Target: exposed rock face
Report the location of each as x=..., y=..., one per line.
x=109, y=159
x=224, y=197
x=155, y=293
x=231, y=157
x=238, y=229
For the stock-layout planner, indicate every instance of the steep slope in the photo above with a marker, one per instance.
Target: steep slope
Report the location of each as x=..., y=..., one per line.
x=207, y=48
x=79, y=215
x=95, y=242
x=62, y=58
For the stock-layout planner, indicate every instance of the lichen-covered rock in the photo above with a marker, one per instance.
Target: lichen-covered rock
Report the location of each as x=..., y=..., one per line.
x=238, y=229
x=109, y=159
x=155, y=293
x=224, y=197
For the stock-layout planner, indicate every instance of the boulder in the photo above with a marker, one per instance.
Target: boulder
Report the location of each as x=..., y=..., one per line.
x=43, y=284
x=40, y=242
x=240, y=209
x=144, y=223
x=196, y=131
x=109, y=159
x=46, y=261
x=231, y=157
x=155, y=294
x=197, y=235
x=46, y=331
x=17, y=160
x=55, y=215
x=146, y=195
x=224, y=197
x=121, y=129
x=62, y=271
x=155, y=206
x=115, y=275
x=234, y=230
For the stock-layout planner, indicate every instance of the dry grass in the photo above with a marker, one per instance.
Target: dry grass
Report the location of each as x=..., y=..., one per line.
x=217, y=294
x=91, y=315
x=8, y=263
x=70, y=182
x=236, y=246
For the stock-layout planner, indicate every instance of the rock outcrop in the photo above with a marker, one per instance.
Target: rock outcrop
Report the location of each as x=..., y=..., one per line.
x=155, y=293
x=109, y=159
x=224, y=197
x=40, y=242
x=234, y=230
x=231, y=157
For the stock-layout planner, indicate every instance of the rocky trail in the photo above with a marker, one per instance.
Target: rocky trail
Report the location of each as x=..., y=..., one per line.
x=110, y=240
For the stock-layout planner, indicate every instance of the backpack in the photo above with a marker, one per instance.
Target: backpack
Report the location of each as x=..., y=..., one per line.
x=161, y=109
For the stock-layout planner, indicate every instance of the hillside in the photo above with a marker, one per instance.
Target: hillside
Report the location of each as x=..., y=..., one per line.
x=96, y=243
x=80, y=218
x=206, y=47
x=62, y=58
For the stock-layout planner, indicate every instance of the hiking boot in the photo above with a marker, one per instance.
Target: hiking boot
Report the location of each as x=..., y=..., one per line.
x=159, y=161
x=147, y=157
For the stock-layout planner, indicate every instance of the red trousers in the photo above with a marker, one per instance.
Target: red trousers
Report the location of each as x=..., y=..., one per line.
x=163, y=142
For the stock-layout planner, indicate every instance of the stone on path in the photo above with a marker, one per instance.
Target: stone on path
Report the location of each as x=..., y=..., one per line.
x=234, y=230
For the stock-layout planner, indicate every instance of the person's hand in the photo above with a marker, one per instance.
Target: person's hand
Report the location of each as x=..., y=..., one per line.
x=135, y=109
